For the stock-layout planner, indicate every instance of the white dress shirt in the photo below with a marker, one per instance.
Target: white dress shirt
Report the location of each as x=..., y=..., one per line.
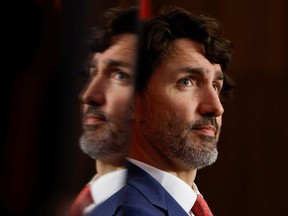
x=184, y=195
x=105, y=186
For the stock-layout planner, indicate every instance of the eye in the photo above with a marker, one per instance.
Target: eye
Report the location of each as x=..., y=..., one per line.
x=93, y=73
x=93, y=70
x=184, y=82
x=119, y=75
x=217, y=87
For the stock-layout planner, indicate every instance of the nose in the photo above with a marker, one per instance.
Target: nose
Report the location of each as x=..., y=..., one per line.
x=210, y=104
x=94, y=94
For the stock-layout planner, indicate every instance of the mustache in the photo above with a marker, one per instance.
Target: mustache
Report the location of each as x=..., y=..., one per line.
x=95, y=111
x=207, y=121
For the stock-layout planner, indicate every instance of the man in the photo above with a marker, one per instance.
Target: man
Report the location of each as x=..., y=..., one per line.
x=108, y=109
x=182, y=78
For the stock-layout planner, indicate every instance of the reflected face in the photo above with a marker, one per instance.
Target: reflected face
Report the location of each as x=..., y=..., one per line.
x=108, y=100
x=180, y=113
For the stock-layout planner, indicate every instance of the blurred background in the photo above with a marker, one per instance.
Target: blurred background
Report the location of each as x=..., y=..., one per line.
x=42, y=167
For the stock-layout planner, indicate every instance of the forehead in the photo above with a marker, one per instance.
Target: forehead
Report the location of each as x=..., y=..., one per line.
x=187, y=53
x=123, y=47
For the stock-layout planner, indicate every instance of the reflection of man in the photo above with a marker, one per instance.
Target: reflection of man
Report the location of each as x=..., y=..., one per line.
x=178, y=113
x=108, y=106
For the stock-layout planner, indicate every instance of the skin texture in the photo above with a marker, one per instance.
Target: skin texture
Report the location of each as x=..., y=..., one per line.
x=179, y=115
x=107, y=103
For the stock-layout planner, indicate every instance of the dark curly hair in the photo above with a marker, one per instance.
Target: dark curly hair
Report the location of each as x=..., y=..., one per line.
x=173, y=23
x=113, y=22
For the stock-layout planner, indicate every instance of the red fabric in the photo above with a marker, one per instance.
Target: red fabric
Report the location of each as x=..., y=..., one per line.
x=83, y=200
x=201, y=208
x=145, y=9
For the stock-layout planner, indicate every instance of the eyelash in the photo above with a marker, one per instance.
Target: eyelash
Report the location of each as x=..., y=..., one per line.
x=120, y=73
x=112, y=72
x=216, y=86
x=184, y=79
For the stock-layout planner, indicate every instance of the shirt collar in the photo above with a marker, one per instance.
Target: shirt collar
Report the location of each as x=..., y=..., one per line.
x=177, y=188
x=105, y=186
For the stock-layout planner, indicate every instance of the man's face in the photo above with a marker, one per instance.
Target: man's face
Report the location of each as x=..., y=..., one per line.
x=180, y=113
x=107, y=100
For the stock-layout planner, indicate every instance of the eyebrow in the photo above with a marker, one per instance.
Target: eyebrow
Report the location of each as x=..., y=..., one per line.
x=113, y=62
x=110, y=62
x=201, y=71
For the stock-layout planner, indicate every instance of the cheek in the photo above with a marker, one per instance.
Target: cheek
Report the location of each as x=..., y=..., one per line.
x=170, y=106
x=180, y=106
x=120, y=103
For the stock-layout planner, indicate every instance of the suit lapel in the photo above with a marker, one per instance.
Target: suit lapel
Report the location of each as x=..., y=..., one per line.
x=152, y=190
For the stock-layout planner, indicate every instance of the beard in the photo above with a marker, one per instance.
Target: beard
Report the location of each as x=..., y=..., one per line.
x=177, y=140
x=106, y=141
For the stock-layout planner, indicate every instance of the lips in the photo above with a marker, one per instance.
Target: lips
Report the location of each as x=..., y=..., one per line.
x=207, y=130
x=92, y=119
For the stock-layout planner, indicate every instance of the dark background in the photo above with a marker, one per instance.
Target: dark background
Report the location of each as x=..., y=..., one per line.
x=42, y=167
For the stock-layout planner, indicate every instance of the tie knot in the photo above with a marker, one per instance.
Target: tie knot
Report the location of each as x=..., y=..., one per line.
x=200, y=207
x=83, y=200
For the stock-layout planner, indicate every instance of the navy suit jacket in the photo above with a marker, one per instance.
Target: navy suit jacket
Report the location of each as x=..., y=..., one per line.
x=141, y=196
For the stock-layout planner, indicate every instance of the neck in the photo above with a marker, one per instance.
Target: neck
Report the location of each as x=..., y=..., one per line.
x=142, y=150
x=187, y=176
x=104, y=167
